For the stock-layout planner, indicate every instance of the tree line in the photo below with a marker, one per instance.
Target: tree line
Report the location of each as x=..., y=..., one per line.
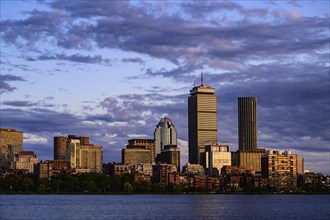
x=93, y=183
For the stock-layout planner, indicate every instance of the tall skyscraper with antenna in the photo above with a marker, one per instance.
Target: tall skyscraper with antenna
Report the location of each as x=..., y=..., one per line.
x=202, y=120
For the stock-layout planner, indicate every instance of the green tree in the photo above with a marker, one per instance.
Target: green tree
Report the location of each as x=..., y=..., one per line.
x=128, y=188
x=26, y=185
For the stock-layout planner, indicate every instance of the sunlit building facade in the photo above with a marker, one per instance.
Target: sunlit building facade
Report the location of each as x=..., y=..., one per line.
x=91, y=158
x=25, y=160
x=216, y=156
x=11, y=143
x=280, y=167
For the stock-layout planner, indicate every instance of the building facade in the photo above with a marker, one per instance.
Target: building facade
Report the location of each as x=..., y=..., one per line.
x=60, y=147
x=11, y=143
x=91, y=158
x=247, y=123
x=25, y=160
x=300, y=165
x=165, y=134
x=50, y=168
x=193, y=169
x=147, y=144
x=202, y=120
x=216, y=156
x=73, y=153
x=170, y=155
x=251, y=160
x=280, y=167
x=83, y=156
x=134, y=156
x=165, y=174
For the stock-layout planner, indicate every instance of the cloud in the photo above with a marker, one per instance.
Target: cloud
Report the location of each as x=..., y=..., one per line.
x=4, y=82
x=18, y=103
x=34, y=139
x=280, y=55
x=73, y=58
x=133, y=60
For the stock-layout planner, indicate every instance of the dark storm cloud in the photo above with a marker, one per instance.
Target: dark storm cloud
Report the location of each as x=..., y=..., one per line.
x=4, y=82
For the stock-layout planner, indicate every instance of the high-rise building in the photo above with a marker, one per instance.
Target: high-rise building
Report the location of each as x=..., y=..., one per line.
x=60, y=145
x=73, y=153
x=247, y=123
x=11, y=143
x=280, y=167
x=148, y=144
x=91, y=158
x=165, y=134
x=202, y=120
x=84, y=156
x=250, y=160
x=60, y=148
x=300, y=165
x=133, y=156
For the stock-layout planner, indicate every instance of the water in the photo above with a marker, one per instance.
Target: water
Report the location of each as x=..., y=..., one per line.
x=165, y=207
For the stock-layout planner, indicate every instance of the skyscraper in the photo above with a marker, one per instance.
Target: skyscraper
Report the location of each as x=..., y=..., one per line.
x=202, y=120
x=247, y=123
x=165, y=134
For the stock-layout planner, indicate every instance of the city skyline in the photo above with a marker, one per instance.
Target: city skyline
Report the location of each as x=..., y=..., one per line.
x=110, y=71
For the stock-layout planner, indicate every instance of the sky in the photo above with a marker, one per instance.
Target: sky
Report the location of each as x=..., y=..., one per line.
x=111, y=70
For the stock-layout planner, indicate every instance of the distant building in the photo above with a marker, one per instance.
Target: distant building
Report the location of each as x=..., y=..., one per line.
x=50, y=168
x=193, y=169
x=251, y=160
x=165, y=134
x=60, y=145
x=247, y=123
x=202, y=120
x=119, y=169
x=135, y=156
x=165, y=174
x=300, y=165
x=148, y=144
x=11, y=143
x=232, y=170
x=25, y=160
x=216, y=156
x=91, y=158
x=144, y=168
x=84, y=157
x=170, y=155
x=280, y=167
x=60, y=148
x=73, y=153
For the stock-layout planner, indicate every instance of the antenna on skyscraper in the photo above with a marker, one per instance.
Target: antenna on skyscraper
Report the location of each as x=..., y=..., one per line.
x=202, y=81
